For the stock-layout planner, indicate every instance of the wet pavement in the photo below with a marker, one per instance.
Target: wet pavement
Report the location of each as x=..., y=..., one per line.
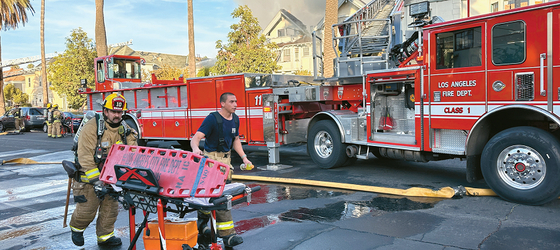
x=282, y=216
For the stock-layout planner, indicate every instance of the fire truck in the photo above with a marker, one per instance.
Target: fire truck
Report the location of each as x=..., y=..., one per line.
x=484, y=89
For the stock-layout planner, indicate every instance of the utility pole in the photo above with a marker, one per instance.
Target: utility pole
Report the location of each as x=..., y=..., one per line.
x=192, y=55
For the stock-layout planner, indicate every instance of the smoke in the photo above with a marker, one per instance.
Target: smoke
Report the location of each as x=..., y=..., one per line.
x=309, y=12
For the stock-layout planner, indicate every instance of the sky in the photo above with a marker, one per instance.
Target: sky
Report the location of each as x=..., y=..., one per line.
x=152, y=25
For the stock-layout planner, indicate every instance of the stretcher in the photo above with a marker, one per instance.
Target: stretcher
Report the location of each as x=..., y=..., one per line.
x=160, y=181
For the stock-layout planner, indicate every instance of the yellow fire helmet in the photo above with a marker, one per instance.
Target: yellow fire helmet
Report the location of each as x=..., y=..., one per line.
x=115, y=102
x=55, y=106
x=49, y=105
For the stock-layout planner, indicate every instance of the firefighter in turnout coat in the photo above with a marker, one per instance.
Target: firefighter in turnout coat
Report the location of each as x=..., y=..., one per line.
x=50, y=119
x=57, y=124
x=92, y=152
x=18, y=119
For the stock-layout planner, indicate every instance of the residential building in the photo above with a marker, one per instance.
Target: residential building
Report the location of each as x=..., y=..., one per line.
x=294, y=42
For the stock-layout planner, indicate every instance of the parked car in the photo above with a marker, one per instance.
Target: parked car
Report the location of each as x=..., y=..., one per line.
x=69, y=118
x=32, y=118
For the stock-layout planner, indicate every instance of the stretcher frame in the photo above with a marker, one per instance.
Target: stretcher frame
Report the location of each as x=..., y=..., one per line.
x=143, y=188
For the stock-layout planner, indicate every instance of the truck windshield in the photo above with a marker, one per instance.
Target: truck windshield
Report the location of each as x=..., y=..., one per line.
x=124, y=69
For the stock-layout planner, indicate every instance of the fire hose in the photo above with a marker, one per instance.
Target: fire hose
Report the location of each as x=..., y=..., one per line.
x=444, y=192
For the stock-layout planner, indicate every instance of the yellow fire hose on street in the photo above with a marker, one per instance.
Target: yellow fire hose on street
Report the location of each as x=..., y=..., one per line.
x=26, y=161
x=445, y=192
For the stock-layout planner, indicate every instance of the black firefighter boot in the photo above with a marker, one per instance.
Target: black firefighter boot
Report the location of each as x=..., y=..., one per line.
x=204, y=236
x=113, y=241
x=78, y=238
x=232, y=240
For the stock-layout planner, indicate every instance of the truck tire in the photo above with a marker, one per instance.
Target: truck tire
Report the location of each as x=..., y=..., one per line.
x=325, y=146
x=185, y=145
x=132, y=124
x=522, y=165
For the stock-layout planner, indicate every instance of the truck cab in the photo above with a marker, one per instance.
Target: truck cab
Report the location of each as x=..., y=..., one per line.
x=115, y=72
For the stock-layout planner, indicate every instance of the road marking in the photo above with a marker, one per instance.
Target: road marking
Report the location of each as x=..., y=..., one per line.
x=23, y=151
x=31, y=188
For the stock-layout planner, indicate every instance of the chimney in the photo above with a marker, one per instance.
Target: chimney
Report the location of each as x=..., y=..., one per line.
x=331, y=17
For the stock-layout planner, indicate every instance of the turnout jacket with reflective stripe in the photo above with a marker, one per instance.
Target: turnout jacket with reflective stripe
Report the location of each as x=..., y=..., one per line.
x=88, y=142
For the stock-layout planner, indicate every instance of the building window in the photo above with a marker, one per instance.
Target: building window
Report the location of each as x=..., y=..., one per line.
x=305, y=51
x=296, y=54
x=28, y=82
x=508, y=43
x=460, y=48
x=494, y=7
x=281, y=32
x=512, y=4
x=286, y=54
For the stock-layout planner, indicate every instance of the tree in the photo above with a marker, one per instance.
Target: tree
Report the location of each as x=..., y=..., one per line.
x=192, y=55
x=168, y=72
x=76, y=63
x=100, y=34
x=15, y=67
x=43, y=57
x=203, y=72
x=12, y=13
x=302, y=72
x=247, y=51
x=30, y=66
x=15, y=95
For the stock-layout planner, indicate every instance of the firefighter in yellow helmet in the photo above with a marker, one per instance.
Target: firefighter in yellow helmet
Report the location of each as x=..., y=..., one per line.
x=49, y=118
x=57, y=123
x=92, y=152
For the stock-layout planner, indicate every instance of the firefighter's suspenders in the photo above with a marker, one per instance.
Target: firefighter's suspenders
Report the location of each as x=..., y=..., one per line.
x=221, y=140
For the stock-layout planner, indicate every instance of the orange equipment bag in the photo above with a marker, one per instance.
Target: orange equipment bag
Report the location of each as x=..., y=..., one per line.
x=176, y=234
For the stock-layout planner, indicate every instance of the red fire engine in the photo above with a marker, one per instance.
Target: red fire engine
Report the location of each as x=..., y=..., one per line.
x=481, y=89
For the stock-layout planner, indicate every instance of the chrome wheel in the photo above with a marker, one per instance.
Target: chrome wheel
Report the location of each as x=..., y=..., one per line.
x=323, y=144
x=521, y=167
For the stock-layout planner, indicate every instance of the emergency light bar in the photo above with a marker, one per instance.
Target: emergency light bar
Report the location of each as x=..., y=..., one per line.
x=419, y=9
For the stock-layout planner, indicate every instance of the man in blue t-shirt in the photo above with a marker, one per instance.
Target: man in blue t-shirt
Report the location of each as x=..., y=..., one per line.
x=219, y=149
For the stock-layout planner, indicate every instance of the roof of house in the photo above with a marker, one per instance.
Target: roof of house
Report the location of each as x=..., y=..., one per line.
x=159, y=59
x=9, y=75
x=289, y=17
x=357, y=3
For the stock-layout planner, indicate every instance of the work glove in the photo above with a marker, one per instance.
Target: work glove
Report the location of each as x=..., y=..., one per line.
x=100, y=189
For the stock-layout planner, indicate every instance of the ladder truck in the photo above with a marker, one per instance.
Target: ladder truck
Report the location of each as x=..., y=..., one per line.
x=484, y=89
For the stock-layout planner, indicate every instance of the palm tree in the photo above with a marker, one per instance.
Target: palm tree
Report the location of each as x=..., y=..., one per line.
x=192, y=55
x=43, y=59
x=12, y=13
x=100, y=34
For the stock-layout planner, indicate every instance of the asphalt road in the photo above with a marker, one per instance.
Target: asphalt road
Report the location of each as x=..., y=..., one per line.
x=293, y=216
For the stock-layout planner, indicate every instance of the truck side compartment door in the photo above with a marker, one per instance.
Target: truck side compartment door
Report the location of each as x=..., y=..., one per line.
x=202, y=101
x=235, y=84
